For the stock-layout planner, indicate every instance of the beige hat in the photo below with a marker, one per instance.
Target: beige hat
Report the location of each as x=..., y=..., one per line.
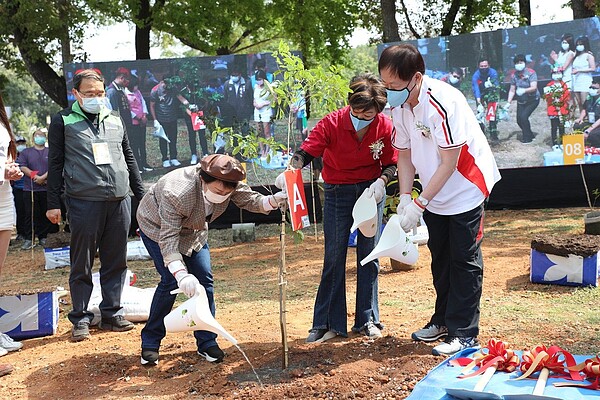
x=223, y=167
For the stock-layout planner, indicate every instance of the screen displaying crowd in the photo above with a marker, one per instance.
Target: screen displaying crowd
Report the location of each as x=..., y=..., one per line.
x=528, y=86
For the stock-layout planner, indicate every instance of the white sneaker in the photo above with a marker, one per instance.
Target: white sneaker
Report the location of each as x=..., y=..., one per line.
x=175, y=162
x=166, y=164
x=8, y=344
x=194, y=160
x=3, y=351
x=454, y=344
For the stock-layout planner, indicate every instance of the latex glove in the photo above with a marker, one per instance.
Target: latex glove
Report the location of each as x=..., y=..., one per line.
x=274, y=201
x=506, y=107
x=188, y=283
x=412, y=216
x=520, y=91
x=280, y=182
x=480, y=108
x=405, y=199
x=488, y=84
x=376, y=189
x=157, y=124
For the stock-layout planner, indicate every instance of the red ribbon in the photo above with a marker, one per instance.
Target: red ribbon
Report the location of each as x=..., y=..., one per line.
x=496, y=354
x=591, y=369
x=553, y=358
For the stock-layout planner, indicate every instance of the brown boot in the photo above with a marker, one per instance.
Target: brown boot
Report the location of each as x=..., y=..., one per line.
x=5, y=369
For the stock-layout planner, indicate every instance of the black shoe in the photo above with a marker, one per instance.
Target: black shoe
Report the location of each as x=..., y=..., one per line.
x=118, y=323
x=81, y=331
x=213, y=354
x=149, y=357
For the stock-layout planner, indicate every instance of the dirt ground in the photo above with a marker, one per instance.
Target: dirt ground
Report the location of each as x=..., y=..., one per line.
x=247, y=294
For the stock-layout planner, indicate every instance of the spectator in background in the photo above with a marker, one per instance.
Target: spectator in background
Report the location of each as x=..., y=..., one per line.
x=164, y=108
x=454, y=77
x=116, y=94
x=260, y=64
x=139, y=121
x=485, y=86
x=90, y=155
x=9, y=171
x=564, y=58
x=194, y=122
x=238, y=95
x=583, y=66
x=34, y=165
x=558, y=98
x=523, y=88
x=263, y=112
x=17, y=189
x=591, y=107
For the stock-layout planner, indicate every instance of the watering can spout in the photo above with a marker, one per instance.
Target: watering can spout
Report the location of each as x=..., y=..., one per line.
x=394, y=244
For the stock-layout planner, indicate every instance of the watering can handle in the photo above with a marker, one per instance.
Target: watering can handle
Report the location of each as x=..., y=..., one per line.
x=177, y=291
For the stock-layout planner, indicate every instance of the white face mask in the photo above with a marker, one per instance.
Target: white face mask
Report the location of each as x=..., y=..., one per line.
x=580, y=48
x=453, y=80
x=214, y=197
x=593, y=92
x=565, y=46
x=520, y=66
x=93, y=105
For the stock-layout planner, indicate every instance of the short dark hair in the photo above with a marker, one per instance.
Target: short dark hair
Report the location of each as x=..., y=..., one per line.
x=86, y=74
x=208, y=179
x=367, y=92
x=404, y=60
x=458, y=71
x=519, y=58
x=260, y=74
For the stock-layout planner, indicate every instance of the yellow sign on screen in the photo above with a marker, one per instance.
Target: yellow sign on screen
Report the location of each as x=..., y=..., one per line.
x=573, y=149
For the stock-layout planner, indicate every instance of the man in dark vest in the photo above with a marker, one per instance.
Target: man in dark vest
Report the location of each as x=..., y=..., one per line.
x=89, y=153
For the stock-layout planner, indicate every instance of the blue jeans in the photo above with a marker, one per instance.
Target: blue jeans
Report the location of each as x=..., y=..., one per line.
x=330, y=304
x=162, y=302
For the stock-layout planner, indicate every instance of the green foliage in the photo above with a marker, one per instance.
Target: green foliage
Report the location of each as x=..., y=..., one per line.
x=30, y=106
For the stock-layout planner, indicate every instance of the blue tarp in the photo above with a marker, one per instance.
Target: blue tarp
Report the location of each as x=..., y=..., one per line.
x=443, y=376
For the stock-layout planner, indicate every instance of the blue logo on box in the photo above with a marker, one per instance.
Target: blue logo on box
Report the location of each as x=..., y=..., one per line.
x=29, y=315
x=571, y=271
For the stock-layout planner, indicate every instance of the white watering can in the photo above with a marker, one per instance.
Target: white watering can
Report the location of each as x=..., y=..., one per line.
x=394, y=243
x=365, y=215
x=194, y=315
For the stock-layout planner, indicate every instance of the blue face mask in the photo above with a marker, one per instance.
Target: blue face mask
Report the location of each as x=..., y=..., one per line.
x=396, y=98
x=39, y=140
x=360, y=123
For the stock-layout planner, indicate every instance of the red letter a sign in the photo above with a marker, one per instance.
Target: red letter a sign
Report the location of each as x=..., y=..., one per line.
x=296, y=199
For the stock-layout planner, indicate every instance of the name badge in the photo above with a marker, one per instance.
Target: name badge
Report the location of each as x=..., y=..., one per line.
x=101, y=153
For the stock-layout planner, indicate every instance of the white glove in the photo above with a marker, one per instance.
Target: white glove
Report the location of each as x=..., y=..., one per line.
x=520, y=91
x=280, y=181
x=480, y=108
x=405, y=199
x=412, y=216
x=488, y=84
x=506, y=107
x=188, y=283
x=157, y=124
x=376, y=189
x=274, y=201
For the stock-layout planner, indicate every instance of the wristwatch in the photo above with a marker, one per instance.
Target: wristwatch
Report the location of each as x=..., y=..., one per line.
x=423, y=201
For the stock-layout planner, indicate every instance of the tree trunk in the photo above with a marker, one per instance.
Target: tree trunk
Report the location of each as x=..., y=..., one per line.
x=390, y=25
x=65, y=39
x=143, y=27
x=583, y=8
x=525, y=11
x=450, y=18
x=51, y=83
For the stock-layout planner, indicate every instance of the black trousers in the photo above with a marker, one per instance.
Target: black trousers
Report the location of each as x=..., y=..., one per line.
x=101, y=226
x=457, y=269
x=171, y=132
x=557, y=129
x=137, y=140
x=41, y=225
x=524, y=111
